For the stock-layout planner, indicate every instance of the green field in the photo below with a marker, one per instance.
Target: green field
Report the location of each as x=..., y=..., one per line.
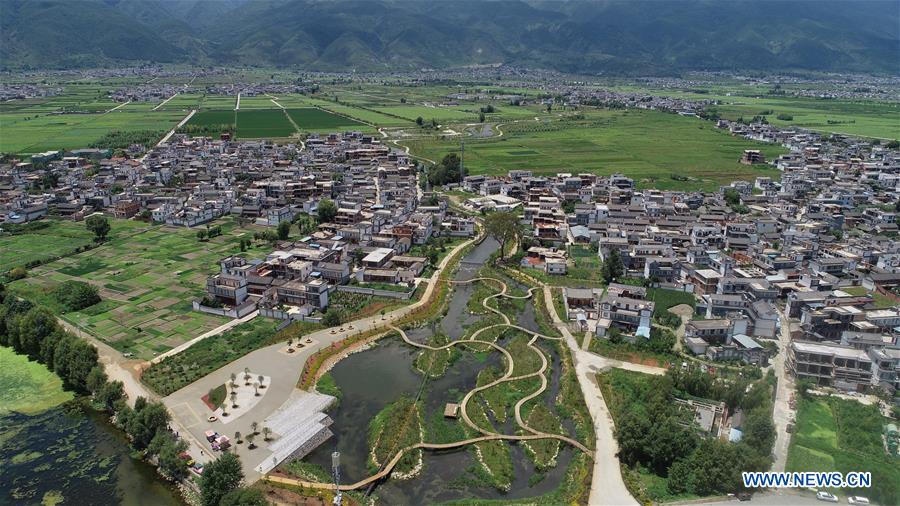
x=27, y=386
x=25, y=133
x=317, y=120
x=147, y=278
x=842, y=435
x=58, y=238
x=263, y=123
x=648, y=146
x=866, y=118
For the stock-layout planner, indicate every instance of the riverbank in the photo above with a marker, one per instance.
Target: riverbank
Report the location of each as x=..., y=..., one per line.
x=62, y=451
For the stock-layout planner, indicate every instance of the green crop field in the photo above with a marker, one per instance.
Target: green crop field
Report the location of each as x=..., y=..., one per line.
x=843, y=435
x=263, y=123
x=58, y=238
x=24, y=133
x=147, y=277
x=649, y=146
x=183, y=101
x=317, y=120
x=866, y=118
x=210, y=118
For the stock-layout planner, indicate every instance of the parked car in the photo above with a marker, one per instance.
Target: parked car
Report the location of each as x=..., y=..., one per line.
x=825, y=496
x=743, y=496
x=858, y=499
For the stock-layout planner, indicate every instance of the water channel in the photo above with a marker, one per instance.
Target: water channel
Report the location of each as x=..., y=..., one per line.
x=372, y=379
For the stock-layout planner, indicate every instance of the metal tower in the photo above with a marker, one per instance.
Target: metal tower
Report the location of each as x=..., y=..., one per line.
x=336, y=473
x=462, y=159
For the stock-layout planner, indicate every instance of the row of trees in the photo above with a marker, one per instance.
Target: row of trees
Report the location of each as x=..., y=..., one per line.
x=34, y=331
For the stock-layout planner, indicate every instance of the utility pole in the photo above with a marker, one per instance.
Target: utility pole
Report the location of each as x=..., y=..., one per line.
x=336, y=473
x=462, y=159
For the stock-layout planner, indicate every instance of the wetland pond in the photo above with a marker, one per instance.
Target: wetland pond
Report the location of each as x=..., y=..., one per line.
x=372, y=379
x=54, y=451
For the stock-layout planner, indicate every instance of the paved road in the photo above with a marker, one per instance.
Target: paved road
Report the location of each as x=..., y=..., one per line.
x=191, y=413
x=782, y=412
x=164, y=102
x=607, y=485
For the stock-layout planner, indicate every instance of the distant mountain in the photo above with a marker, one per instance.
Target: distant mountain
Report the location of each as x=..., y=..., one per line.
x=613, y=36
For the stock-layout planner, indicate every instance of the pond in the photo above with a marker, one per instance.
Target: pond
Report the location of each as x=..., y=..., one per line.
x=63, y=454
x=372, y=379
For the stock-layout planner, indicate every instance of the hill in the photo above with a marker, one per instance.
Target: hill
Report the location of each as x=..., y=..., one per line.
x=613, y=37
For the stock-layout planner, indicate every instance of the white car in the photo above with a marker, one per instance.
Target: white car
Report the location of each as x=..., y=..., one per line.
x=856, y=499
x=825, y=496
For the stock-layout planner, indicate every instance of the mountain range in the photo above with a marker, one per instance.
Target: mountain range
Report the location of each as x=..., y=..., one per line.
x=610, y=37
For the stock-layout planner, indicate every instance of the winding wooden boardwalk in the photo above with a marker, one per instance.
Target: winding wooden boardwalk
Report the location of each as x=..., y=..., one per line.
x=487, y=435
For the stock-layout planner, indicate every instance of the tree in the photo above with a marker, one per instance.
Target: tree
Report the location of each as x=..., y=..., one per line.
x=99, y=225
x=759, y=432
x=284, y=230
x=244, y=497
x=481, y=117
x=76, y=295
x=420, y=121
x=612, y=267
x=504, y=227
x=246, y=376
x=149, y=418
x=447, y=171
x=261, y=377
x=169, y=457
x=233, y=396
x=326, y=210
x=357, y=255
x=237, y=437
x=267, y=432
x=233, y=379
x=220, y=477
x=332, y=318
x=250, y=438
x=201, y=235
x=110, y=394
x=222, y=406
x=95, y=380
x=254, y=426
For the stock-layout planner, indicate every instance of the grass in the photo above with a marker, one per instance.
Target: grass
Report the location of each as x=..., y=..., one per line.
x=27, y=386
x=326, y=385
x=58, y=238
x=216, y=396
x=543, y=452
x=648, y=146
x=434, y=363
x=881, y=301
x=147, y=275
x=842, y=435
x=396, y=426
x=358, y=305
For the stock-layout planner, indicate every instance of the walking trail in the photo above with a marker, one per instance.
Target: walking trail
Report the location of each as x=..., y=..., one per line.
x=487, y=435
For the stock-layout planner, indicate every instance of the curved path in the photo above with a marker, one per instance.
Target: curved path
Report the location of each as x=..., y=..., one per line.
x=486, y=434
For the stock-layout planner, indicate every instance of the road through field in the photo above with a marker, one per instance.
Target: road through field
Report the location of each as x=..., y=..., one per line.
x=164, y=102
